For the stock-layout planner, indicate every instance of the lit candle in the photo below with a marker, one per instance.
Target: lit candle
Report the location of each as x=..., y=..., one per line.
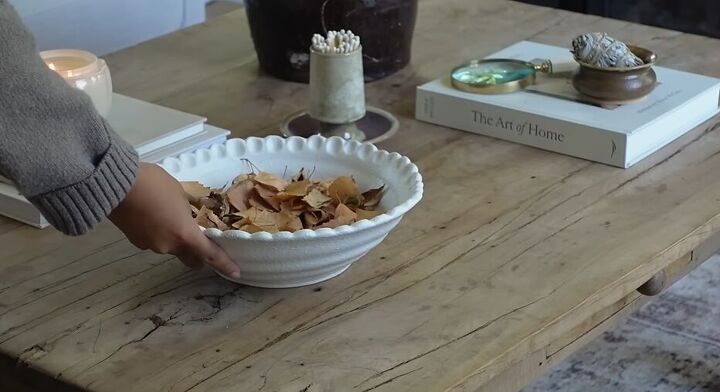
x=84, y=71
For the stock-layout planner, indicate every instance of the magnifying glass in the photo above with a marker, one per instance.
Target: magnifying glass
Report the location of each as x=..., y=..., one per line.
x=499, y=76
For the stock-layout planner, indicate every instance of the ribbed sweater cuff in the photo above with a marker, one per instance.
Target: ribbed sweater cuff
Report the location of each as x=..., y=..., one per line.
x=76, y=209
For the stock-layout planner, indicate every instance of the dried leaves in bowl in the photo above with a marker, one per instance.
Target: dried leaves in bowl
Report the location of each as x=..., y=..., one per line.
x=264, y=202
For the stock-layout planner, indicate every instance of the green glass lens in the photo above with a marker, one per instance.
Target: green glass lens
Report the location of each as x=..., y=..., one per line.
x=491, y=73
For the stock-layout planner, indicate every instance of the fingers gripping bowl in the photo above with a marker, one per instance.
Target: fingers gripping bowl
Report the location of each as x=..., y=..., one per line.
x=304, y=257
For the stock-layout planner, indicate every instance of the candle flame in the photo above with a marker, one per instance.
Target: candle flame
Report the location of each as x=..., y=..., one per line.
x=52, y=66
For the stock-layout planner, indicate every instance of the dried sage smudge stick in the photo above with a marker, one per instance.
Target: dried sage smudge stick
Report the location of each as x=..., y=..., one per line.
x=602, y=51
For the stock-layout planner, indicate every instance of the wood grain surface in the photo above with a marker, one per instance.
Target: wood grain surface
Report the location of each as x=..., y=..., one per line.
x=513, y=251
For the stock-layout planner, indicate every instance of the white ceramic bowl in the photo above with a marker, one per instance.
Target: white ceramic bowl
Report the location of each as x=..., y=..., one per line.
x=307, y=256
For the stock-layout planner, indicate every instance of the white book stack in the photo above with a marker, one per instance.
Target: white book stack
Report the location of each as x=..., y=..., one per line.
x=155, y=131
x=551, y=115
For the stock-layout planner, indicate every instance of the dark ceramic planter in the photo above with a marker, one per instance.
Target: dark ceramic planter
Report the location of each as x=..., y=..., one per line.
x=282, y=29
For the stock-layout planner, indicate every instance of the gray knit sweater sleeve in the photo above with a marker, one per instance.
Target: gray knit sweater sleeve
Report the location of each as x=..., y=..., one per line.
x=54, y=146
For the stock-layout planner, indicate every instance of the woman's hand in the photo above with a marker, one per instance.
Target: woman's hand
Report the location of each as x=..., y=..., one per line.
x=155, y=215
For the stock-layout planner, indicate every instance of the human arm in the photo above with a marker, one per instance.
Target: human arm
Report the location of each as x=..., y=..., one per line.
x=66, y=160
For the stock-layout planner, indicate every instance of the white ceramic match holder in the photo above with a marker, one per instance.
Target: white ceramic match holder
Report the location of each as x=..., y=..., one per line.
x=337, y=94
x=337, y=86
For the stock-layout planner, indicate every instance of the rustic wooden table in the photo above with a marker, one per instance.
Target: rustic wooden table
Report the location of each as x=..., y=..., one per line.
x=515, y=257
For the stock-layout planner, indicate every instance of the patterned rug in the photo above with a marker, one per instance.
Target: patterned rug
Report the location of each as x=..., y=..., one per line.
x=671, y=344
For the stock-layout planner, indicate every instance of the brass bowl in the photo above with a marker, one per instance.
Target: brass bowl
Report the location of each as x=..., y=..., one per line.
x=618, y=85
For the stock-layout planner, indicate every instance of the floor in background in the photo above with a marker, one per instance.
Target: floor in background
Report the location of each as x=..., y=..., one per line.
x=219, y=7
x=671, y=344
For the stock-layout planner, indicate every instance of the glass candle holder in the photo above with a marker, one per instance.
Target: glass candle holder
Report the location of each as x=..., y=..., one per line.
x=84, y=71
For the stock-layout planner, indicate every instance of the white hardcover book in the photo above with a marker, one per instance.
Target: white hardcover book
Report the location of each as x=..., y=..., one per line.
x=211, y=135
x=15, y=206
x=560, y=122
x=148, y=127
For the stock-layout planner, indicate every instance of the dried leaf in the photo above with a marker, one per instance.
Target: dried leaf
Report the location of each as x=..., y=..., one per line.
x=289, y=222
x=344, y=213
x=239, y=194
x=250, y=228
x=366, y=214
x=298, y=204
x=217, y=221
x=330, y=208
x=230, y=219
x=323, y=216
x=257, y=201
x=224, y=207
x=291, y=208
x=270, y=180
x=295, y=189
x=343, y=216
x=316, y=199
x=241, y=178
x=209, y=202
x=262, y=218
x=282, y=197
x=240, y=223
x=268, y=196
x=194, y=191
x=270, y=229
x=344, y=189
x=309, y=219
x=372, y=197
x=203, y=219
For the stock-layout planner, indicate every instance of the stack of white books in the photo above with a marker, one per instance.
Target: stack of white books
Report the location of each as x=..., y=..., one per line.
x=155, y=131
x=551, y=115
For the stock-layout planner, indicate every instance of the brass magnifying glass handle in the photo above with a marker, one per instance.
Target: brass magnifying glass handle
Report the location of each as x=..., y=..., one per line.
x=554, y=65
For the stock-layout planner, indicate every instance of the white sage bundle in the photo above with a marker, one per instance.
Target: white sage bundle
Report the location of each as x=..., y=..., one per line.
x=601, y=50
x=343, y=41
